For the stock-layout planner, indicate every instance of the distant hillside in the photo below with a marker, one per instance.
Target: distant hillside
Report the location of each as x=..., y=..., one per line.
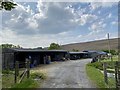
x=93, y=45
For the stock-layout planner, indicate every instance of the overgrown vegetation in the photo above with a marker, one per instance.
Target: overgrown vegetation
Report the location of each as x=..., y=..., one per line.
x=33, y=82
x=38, y=75
x=99, y=65
x=7, y=71
x=113, y=52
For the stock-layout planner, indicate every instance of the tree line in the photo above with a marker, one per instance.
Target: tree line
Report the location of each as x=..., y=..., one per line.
x=9, y=46
x=51, y=47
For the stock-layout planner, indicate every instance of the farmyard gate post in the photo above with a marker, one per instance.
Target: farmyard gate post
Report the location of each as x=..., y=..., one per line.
x=16, y=71
x=28, y=67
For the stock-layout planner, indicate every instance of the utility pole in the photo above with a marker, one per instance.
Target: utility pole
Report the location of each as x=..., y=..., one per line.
x=109, y=45
x=108, y=42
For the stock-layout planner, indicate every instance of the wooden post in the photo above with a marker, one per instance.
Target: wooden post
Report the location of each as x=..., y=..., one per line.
x=16, y=70
x=28, y=68
x=118, y=79
x=116, y=76
x=105, y=72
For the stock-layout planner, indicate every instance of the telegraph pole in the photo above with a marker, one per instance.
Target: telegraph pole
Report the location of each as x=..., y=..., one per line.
x=108, y=42
x=109, y=45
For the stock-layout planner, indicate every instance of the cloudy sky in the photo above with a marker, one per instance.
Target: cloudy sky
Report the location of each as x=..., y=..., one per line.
x=33, y=24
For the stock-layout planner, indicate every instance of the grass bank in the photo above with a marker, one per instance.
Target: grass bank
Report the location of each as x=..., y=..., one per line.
x=97, y=77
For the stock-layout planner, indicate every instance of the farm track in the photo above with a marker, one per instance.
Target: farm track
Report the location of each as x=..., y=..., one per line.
x=69, y=74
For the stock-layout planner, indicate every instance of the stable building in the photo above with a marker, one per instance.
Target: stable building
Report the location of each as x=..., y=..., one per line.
x=94, y=53
x=9, y=56
x=78, y=55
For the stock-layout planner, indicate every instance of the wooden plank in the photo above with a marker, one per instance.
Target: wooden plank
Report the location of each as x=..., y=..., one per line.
x=23, y=75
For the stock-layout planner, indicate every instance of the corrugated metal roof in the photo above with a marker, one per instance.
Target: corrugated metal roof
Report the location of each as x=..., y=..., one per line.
x=94, y=51
x=77, y=52
x=31, y=50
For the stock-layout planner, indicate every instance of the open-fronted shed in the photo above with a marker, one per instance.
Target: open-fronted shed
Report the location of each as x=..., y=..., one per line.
x=78, y=55
x=9, y=56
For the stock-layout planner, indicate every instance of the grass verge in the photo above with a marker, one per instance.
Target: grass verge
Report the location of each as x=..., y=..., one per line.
x=97, y=77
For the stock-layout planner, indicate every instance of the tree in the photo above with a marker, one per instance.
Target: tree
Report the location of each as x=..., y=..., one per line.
x=9, y=46
x=75, y=50
x=54, y=46
x=7, y=5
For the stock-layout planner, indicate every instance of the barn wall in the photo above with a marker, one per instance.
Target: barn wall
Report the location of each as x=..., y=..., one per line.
x=7, y=60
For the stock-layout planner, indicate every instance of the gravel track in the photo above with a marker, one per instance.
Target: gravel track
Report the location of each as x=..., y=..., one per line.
x=68, y=74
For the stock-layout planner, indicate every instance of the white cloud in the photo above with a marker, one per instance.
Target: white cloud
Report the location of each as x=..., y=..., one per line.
x=97, y=26
x=85, y=18
x=114, y=23
x=99, y=12
x=52, y=22
x=48, y=20
x=95, y=5
x=110, y=15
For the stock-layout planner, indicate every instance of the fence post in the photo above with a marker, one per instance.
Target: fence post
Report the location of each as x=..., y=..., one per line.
x=28, y=67
x=116, y=72
x=16, y=70
x=118, y=75
x=105, y=72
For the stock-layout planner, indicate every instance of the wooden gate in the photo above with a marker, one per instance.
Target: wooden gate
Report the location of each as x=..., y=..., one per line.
x=24, y=73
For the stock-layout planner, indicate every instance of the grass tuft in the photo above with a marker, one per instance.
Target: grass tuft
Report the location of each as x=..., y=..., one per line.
x=27, y=83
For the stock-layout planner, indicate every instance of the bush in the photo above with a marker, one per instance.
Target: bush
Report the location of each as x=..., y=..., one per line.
x=98, y=65
x=111, y=64
x=113, y=52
